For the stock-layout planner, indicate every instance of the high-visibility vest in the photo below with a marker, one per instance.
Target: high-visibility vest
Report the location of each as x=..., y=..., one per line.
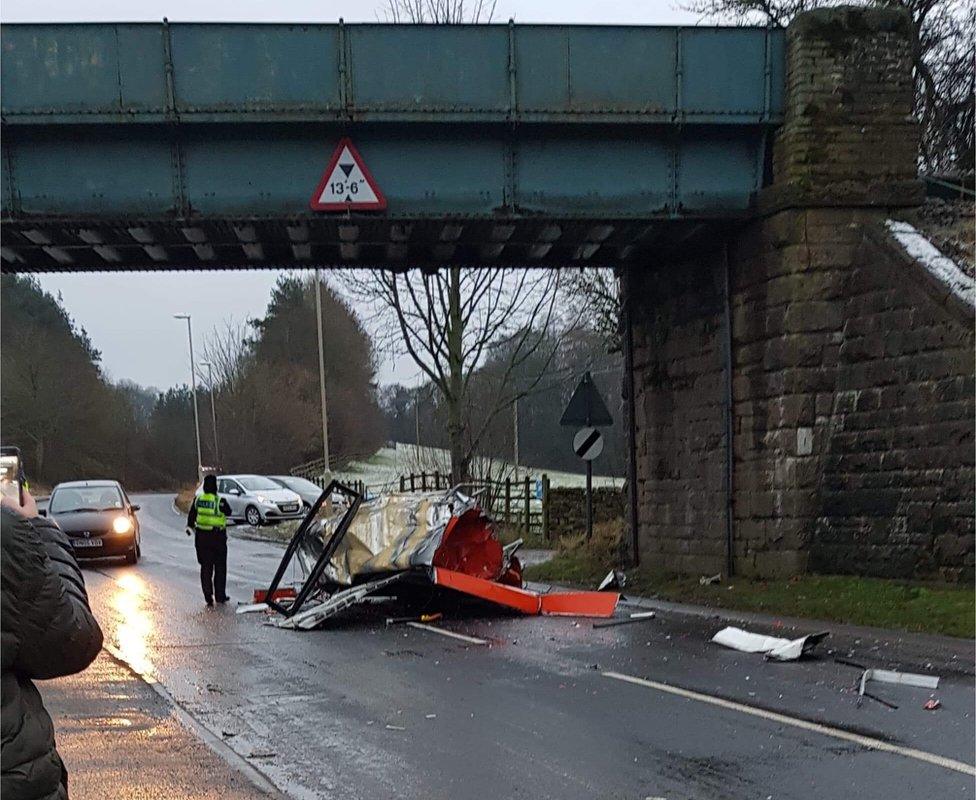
x=209, y=515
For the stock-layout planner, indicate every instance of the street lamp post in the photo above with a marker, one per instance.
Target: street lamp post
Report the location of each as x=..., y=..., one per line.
x=213, y=411
x=325, y=416
x=193, y=379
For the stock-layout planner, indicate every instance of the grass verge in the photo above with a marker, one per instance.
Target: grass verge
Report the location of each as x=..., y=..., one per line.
x=184, y=497
x=929, y=607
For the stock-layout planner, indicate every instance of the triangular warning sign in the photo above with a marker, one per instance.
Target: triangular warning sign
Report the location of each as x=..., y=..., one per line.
x=347, y=184
x=586, y=407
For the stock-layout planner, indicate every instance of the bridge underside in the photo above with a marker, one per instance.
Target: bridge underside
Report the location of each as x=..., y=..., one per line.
x=200, y=146
x=246, y=243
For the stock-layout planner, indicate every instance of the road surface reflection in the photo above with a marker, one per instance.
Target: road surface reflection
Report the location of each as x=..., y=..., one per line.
x=135, y=624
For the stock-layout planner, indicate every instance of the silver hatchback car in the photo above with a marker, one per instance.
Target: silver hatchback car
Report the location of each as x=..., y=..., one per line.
x=255, y=499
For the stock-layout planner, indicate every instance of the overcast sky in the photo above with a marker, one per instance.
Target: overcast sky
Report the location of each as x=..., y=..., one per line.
x=130, y=316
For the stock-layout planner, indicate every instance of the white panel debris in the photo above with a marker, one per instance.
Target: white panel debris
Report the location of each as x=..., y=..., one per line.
x=903, y=678
x=941, y=267
x=770, y=646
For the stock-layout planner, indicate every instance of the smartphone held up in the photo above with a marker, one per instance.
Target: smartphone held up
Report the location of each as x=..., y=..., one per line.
x=11, y=474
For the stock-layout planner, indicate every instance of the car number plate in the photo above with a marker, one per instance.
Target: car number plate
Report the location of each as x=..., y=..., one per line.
x=290, y=507
x=86, y=542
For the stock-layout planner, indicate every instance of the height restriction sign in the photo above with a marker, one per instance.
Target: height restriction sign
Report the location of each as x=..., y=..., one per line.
x=347, y=184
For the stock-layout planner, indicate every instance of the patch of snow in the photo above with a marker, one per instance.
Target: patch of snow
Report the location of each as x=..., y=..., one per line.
x=381, y=471
x=944, y=269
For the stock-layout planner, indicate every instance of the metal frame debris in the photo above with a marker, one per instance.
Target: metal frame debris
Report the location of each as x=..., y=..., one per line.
x=311, y=583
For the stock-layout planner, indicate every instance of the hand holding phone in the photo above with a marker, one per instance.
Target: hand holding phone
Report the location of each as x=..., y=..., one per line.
x=26, y=509
x=11, y=474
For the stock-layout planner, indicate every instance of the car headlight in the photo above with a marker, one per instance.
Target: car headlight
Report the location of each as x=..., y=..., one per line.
x=121, y=525
x=261, y=498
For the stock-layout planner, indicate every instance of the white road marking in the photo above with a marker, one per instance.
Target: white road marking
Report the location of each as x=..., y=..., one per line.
x=452, y=634
x=826, y=730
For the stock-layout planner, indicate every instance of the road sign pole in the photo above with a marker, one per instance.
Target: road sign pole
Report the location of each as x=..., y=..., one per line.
x=589, y=500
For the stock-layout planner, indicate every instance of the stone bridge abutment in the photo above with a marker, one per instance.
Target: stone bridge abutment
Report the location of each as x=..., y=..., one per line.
x=804, y=390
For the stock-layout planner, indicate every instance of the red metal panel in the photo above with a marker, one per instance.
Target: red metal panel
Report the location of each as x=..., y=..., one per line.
x=580, y=604
x=520, y=599
x=571, y=604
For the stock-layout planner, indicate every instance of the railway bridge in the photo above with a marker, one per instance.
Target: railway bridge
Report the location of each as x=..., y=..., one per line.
x=799, y=388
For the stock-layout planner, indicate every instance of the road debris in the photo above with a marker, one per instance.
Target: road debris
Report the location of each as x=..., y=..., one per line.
x=348, y=551
x=616, y=579
x=932, y=704
x=640, y=616
x=417, y=618
x=395, y=728
x=708, y=581
x=250, y=608
x=313, y=616
x=890, y=676
x=772, y=647
x=286, y=592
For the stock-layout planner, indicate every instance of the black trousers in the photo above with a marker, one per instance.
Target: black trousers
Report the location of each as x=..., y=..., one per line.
x=212, y=558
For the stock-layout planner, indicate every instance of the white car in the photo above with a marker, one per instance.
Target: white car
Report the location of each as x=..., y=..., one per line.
x=256, y=500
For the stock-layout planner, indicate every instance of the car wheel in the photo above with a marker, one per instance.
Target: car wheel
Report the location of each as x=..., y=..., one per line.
x=253, y=516
x=132, y=558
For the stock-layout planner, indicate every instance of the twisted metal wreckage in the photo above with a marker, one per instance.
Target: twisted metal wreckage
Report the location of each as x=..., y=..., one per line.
x=349, y=549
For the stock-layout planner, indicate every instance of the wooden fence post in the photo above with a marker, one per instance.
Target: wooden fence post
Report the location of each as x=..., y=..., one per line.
x=528, y=498
x=437, y=480
x=545, y=507
x=403, y=486
x=412, y=486
x=423, y=481
x=508, y=500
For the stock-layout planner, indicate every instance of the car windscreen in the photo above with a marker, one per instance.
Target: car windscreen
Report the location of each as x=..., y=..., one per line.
x=85, y=498
x=300, y=485
x=255, y=483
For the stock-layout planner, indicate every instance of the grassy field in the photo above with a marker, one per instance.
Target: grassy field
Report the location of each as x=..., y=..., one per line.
x=382, y=470
x=907, y=605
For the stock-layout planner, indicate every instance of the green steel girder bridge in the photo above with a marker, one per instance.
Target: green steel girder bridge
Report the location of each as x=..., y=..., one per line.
x=199, y=146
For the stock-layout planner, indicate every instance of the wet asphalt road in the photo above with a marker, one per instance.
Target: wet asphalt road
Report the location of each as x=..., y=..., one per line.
x=364, y=711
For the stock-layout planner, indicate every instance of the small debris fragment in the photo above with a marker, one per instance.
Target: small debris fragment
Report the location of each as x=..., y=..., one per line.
x=227, y=734
x=932, y=704
x=418, y=618
x=430, y=716
x=259, y=754
x=615, y=579
x=395, y=728
x=708, y=581
x=638, y=617
x=249, y=608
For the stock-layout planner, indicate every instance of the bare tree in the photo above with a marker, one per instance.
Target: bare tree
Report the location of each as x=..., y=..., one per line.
x=448, y=12
x=227, y=349
x=595, y=294
x=944, y=62
x=449, y=321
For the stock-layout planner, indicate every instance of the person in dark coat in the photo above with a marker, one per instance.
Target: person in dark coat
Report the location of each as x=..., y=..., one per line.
x=48, y=631
x=207, y=521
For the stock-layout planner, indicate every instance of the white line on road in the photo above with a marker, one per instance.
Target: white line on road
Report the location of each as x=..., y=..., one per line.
x=826, y=730
x=452, y=634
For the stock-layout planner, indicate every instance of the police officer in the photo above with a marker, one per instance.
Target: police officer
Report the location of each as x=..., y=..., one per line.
x=207, y=521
